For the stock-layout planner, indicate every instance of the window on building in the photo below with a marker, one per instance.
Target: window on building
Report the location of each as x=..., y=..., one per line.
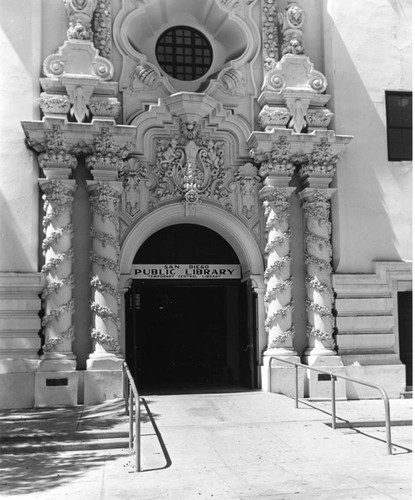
x=399, y=125
x=184, y=53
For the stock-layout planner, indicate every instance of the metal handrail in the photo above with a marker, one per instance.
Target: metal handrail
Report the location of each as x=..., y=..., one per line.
x=132, y=399
x=334, y=377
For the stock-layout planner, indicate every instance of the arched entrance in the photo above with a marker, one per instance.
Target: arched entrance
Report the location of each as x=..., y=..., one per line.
x=190, y=320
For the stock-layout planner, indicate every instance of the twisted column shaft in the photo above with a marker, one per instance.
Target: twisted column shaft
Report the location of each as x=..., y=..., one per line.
x=57, y=247
x=104, y=198
x=318, y=253
x=278, y=277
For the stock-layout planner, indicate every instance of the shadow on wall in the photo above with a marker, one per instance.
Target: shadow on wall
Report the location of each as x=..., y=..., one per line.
x=372, y=206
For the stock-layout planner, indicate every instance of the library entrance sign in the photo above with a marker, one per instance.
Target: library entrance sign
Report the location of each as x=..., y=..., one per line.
x=186, y=271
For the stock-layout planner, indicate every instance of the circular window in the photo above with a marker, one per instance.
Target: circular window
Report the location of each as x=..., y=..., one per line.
x=184, y=53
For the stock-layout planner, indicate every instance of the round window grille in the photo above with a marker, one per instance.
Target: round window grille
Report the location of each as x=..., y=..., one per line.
x=184, y=53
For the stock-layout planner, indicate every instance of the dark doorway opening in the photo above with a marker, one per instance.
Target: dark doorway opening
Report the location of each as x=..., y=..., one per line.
x=405, y=333
x=185, y=335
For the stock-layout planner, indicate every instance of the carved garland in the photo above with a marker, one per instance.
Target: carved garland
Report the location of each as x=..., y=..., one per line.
x=270, y=50
x=102, y=28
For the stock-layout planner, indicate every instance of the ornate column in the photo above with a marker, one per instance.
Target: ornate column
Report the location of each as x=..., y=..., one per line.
x=274, y=153
x=278, y=280
x=57, y=364
x=316, y=175
x=57, y=247
x=104, y=255
x=57, y=163
x=318, y=254
x=277, y=171
x=111, y=145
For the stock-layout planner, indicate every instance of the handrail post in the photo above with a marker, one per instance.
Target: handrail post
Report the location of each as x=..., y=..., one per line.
x=131, y=431
x=126, y=390
x=296, y=386
x=137, y=436
x=333, y=400
x=387, y=421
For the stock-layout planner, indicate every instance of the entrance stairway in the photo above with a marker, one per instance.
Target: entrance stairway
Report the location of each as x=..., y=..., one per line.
x=80, y=428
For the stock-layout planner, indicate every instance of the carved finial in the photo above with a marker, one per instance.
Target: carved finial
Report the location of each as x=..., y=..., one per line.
x=292, y=23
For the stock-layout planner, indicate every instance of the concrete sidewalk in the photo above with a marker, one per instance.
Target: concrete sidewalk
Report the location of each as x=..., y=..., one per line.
x=243, y=445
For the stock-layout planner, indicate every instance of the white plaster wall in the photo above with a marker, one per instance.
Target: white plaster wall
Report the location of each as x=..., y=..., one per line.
x=367, y=50
x=20, y=52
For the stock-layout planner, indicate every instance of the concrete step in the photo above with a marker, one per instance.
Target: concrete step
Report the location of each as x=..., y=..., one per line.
x=79, y=441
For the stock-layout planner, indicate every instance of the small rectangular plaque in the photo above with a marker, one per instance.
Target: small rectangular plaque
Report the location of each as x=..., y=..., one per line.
x=323, y=376
x=54, y=382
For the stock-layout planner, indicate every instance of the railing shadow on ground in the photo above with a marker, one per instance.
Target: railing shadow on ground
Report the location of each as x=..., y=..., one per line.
x=159, y=438
x=347, y=424
x=25, y=473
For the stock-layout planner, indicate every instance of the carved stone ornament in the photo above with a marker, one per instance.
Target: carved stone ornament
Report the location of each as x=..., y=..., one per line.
x=102, y=28
x=232, y=79
x=279, y=159
x=76, y=58
x=147, y=74
x=248, y=179
x=322, y=161
x=57, y=155
x=298, y=110
x=318, y=118
x=108, y=155
x=80, y=14
x=295, y=73
x=232, y=4
x=270, y=50
x=271, y=117
x=105, y=106
x=132, y=174
x=293, y=20
x=190, y=166
x=52, y=104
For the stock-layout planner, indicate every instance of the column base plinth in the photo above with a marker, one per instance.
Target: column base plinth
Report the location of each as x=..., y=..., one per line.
x=281, y=352
x=56, y=388
x=319, y=385
x=55, y=362
x=280, y=376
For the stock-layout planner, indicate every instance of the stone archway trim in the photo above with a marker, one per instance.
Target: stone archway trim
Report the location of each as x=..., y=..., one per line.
x=225, y=224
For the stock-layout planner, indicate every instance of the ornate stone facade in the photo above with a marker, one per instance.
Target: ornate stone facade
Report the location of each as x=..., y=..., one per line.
x=123, y=150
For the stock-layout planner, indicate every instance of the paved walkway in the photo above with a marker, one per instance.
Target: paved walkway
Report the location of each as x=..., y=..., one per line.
x=247, y=445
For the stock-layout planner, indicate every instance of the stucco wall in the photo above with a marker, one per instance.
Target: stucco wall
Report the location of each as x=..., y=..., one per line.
x=19, y=89
x=367, y=50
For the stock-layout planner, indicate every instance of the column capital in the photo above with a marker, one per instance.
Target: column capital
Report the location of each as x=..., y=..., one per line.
x=320, y=167
x=316, y=195
x=56, y=156
x=109, y=149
